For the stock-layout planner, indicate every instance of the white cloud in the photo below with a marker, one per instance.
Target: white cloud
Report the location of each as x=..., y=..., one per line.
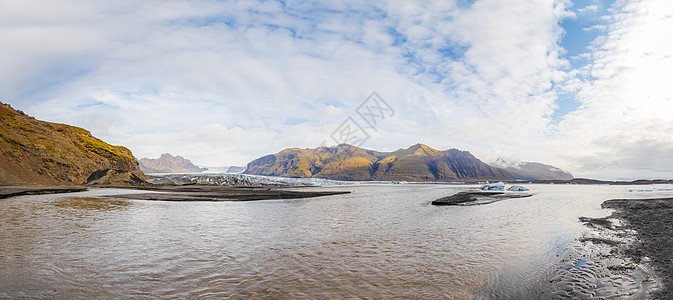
x=622, y=129
x=588, y=9
x=222, y=82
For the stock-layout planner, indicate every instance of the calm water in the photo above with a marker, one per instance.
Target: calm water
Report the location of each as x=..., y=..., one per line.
x=381, y=241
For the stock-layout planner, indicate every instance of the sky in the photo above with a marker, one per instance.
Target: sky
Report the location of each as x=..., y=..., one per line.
x=583, y=85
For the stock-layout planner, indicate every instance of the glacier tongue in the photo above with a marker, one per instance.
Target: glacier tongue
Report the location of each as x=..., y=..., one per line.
x=241, y=180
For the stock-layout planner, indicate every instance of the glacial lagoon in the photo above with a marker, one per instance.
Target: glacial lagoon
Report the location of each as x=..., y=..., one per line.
x=380, y=241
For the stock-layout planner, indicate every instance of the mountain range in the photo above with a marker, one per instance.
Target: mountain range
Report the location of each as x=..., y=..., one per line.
x=168, y=163
x=416, y=163
x=345, y=162
x=38, y=152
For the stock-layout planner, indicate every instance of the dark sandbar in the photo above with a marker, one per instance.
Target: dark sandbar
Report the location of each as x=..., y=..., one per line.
x=224, y=193
x=13, y=191
x=477, y=196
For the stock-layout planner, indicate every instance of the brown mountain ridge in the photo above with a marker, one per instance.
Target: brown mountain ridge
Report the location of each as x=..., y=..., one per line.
x=345, y=162
x=38, y=152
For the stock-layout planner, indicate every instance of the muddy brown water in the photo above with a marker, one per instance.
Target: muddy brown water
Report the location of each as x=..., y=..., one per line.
x=380, y=241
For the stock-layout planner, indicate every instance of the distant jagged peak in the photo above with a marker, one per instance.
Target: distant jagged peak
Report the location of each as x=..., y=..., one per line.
x=346, y=147
x=176, y=159
x=167, y=163
x=417, y=150
x=422, y=149
x=171, y=157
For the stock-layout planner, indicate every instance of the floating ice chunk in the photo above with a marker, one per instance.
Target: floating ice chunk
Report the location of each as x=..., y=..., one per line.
x=500, y=186
x=650, y=189
x=517, y=188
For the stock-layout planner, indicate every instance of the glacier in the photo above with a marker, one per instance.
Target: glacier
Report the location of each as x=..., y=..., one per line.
x=223, y=179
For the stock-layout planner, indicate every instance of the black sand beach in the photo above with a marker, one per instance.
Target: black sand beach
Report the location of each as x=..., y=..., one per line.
x=652, y=220
x=638, y=233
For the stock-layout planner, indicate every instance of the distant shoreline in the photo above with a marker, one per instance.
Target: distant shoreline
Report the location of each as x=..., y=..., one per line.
x=596, y=181
x=585, y=181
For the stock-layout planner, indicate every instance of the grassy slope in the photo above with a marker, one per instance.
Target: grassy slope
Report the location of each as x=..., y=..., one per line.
x=38, y=152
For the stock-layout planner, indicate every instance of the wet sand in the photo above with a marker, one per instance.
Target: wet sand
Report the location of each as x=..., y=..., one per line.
x=629, y=254
x=225, y=193
x=13, y=191
x=652, y=220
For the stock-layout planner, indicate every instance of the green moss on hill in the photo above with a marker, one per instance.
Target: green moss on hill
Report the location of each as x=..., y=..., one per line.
x=38, y=152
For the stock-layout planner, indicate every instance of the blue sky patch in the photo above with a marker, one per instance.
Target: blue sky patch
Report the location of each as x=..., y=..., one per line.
x=578, y=30
x=465, y=4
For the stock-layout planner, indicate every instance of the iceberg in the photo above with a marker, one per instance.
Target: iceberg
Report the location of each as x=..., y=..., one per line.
x=650, y=189
x=499, y=186
x=517, y=188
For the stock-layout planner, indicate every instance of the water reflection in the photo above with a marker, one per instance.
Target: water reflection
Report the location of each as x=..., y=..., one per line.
x=91, y=203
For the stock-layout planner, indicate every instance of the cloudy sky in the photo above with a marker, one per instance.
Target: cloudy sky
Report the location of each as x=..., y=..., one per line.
x=584, y=85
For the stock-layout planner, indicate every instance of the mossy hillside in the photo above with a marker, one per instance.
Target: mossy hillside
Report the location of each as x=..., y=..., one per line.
x=97, y=146
x=38, y=152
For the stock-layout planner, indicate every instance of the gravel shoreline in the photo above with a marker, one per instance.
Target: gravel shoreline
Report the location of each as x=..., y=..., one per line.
x=652, y=221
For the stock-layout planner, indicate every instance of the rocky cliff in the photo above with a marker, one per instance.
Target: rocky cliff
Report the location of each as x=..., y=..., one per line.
x=38, y=152
x=168, y=163
x=346, y=162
